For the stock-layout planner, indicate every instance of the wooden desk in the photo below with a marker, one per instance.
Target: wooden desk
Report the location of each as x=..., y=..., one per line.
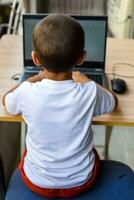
x=118, y=50
x=10, y=64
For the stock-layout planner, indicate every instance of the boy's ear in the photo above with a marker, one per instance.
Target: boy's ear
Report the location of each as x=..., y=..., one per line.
x=82, y=58
x=35, y=58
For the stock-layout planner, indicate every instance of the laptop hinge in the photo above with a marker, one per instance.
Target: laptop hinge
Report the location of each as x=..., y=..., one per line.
x=84, y=69
x=97, y=69
x=29, y=67
x=32, y=68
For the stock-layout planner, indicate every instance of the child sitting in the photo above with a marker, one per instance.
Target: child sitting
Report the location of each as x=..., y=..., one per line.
x=58, y=106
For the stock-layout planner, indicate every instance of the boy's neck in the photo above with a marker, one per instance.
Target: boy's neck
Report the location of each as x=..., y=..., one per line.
x=58, y=76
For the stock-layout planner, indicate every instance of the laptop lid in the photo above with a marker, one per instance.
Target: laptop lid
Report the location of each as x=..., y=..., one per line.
x=95, y=28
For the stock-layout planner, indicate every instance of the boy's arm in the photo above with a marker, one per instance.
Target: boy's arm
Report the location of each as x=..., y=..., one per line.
x=32, y=79
x=78, y=77
x=115, y=97
x=10, y=90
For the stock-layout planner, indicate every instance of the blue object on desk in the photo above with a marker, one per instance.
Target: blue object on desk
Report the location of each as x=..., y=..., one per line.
x=115, y=182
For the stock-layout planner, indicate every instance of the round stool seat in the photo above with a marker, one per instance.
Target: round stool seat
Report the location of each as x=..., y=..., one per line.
x=115, y=182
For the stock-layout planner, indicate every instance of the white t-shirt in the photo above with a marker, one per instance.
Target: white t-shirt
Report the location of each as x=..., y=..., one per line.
x=59, y=138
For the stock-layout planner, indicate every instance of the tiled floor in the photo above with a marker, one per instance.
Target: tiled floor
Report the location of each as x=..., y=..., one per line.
x=121, y=146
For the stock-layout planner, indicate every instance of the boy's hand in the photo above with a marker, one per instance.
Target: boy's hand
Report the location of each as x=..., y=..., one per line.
x=37, y=77
x=79, y=77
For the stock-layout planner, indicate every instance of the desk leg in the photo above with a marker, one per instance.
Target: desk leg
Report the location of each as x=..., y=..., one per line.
x=22, y=138
x=108, y=132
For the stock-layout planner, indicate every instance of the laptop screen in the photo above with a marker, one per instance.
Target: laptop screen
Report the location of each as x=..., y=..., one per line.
x=95, y=28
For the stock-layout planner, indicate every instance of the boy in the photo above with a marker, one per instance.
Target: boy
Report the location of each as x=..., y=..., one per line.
x=57, y=106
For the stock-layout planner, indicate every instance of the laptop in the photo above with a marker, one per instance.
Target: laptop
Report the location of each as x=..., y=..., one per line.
x=95, y=28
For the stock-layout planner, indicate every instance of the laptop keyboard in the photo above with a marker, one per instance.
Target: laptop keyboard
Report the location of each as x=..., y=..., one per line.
x=27, y=75
x=95, y=77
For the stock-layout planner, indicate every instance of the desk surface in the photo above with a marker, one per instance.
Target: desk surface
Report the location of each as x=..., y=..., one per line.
x=118, y=50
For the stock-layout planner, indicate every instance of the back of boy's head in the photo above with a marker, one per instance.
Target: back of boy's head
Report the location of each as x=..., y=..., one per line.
x=58, y=41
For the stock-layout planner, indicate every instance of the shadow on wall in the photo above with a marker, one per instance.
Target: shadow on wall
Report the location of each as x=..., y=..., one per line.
x=9, y=147
x=87, y=7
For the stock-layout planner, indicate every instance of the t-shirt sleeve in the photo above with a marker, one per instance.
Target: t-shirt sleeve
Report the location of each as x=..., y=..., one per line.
x=13, y=100
x=105, y=102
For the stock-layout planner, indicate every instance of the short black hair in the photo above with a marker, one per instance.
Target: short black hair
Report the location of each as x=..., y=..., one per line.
x=58, y=40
